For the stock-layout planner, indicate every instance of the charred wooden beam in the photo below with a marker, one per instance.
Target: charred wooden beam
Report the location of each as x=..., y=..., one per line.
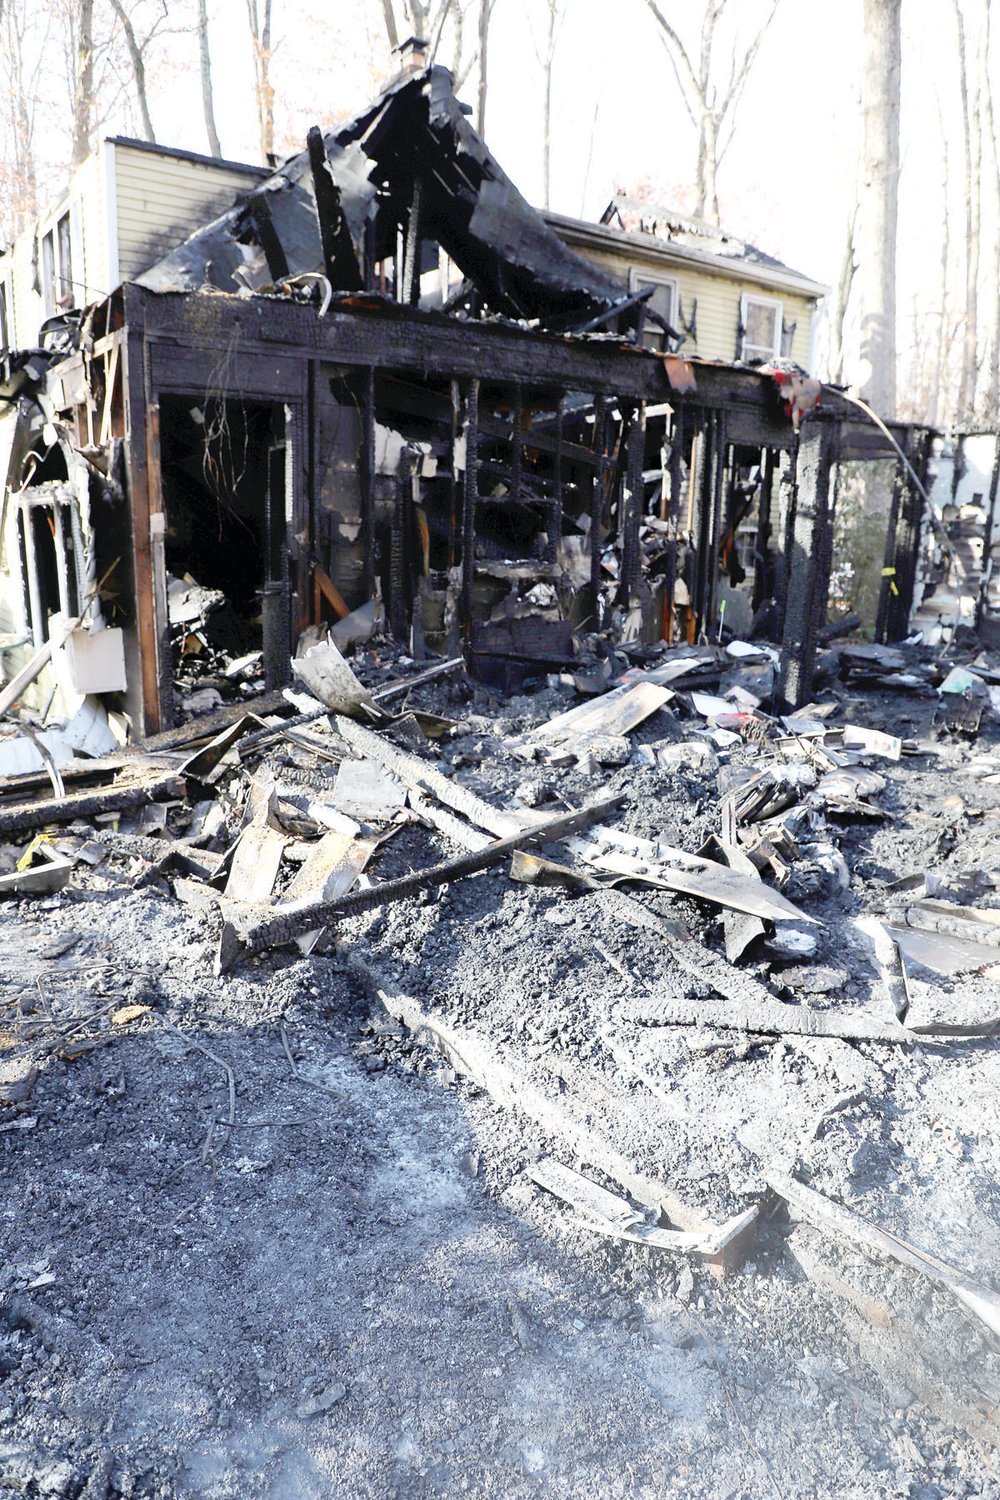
x=807, y=573
x=633, y=502
x=368, y=481
x=470, y=498
x=39, y=814
x=274, y=931
x=339, y=257
x=386, y=336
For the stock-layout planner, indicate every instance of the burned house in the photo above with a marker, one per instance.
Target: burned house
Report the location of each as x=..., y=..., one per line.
x=381, y=381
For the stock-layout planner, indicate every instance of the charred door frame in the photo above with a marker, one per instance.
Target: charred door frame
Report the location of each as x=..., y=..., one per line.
x=199, y=368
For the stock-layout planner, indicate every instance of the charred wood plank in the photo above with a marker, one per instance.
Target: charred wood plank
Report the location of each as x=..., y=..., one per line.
x=29, y=815
x=284, y=928
x=339, y=258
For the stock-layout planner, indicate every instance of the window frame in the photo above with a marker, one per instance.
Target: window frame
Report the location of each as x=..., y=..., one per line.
x=759, y=351
x=58, y=281
x=638, y=280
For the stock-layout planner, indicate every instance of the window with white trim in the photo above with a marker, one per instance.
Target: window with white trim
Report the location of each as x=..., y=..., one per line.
x=664, y=301
x=761, y=321
x=58, y=287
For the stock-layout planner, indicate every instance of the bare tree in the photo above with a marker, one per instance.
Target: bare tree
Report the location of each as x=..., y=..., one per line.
x=712, y=105
x=22, y=55
x=82, y=62
x=971, y=175
x=437, y=22
x=137, y=44
x=878, y=203
x=485, y=16
x=841, y=300
x=205, y=67
x=554, y=12
x=259, y=18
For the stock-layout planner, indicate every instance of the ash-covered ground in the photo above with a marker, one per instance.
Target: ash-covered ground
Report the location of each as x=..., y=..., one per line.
x=258, y=1241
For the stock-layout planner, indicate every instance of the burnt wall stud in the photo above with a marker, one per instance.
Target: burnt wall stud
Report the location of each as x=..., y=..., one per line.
x=808, y=577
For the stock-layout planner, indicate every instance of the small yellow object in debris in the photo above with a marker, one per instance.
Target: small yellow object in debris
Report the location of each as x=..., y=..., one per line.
x=24, y=863
x=128, y=1013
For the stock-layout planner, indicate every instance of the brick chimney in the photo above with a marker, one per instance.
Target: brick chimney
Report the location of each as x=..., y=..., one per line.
x=413, y=54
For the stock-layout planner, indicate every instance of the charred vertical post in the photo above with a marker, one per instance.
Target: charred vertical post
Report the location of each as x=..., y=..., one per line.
x=145, y=705
x=517, y=444
x=368, y=480
x=397, y=568
x=719, y=469
x=706, y=482
x=808, y=578
x=597, y=498
x=409, y=292
x=556, y=504
x=453, y=486
x=633, y=503
x=763, y=579
x=470, y=499
x=887, y=587
x=670, y=512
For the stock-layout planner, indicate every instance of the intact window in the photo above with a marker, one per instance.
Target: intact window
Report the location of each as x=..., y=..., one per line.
x=58, y=287
x=761, y=320
x=664, y=301
x=49, y=272
x=65, y=296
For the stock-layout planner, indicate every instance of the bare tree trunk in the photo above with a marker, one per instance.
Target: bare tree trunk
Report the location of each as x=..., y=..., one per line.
x=18, y=90
x=546, y=60
x=83, y=81
x=260, y=33
x=138, y=69
x=989, y=124
x=842, y=300
x=879, y=191
x=390, y=24
x=485, y=11
x=967, y=378
x=207, y=95
x=711, y=109
x=708, y=195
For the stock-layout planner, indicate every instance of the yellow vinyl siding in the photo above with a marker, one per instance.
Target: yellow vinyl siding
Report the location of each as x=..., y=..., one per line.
x=718, y=296
x=162, y=199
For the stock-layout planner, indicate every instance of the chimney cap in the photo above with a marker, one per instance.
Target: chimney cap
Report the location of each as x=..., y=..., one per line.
x=413, y=44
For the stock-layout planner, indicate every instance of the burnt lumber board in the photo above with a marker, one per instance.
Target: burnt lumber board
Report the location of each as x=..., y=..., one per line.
x=188, y=335
x=29, y=815
x=822, y=1212
x=277, y=930
x=418, y=775
x=772, y=1017
x=907, y=1336
x=720, y=1245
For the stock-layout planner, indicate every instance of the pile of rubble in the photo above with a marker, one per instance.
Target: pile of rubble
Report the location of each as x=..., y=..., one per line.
x=722, y=968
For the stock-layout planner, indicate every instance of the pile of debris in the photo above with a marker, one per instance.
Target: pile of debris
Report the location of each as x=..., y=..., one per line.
x=727, y=976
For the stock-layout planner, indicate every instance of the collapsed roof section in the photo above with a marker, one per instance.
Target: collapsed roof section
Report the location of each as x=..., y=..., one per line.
x=411, y=165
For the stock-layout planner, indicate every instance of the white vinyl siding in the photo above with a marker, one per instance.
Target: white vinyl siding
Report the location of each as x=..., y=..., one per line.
x=161, y=200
